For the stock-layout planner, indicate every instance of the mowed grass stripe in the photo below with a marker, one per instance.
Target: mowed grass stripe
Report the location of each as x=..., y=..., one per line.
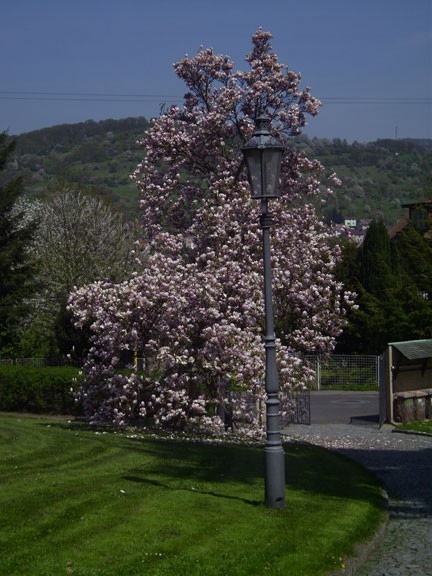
x=76, y=502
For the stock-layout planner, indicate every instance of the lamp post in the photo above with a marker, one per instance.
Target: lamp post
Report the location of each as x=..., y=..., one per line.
x=263, y=156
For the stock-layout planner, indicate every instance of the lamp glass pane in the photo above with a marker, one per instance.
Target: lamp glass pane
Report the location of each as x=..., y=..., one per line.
x=271, y=162
x=253, y=159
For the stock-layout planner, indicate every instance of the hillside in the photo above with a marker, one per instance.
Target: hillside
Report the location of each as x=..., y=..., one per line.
x=98, y=156
x=377, y=177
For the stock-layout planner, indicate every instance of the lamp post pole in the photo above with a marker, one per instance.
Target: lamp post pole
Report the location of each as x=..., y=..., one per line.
x=263, y=158
x=274, y=453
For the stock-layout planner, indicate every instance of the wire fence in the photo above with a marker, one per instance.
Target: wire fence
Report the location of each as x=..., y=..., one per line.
x=340, y=371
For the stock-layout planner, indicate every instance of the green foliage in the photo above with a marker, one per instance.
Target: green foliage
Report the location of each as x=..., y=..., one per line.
x=37, y=390
x=87, y=503
x=36, y=339
x=50, y=334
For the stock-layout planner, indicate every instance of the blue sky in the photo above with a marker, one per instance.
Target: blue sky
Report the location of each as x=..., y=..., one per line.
x=67, y=61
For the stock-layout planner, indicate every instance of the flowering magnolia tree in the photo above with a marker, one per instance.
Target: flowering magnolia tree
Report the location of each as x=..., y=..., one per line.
x=195, y=312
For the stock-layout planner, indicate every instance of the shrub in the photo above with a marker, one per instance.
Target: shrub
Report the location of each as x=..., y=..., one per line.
x=37, y=390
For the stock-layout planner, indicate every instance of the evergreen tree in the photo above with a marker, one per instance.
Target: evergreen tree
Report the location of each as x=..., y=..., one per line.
x=374, y=276
x=377, y=261
x=15, y=271
x=393, y=282
x=415, y=255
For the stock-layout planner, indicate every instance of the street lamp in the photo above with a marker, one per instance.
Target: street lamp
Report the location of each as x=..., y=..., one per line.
x=263, y=156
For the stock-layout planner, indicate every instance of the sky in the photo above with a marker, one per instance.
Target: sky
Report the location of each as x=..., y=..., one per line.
x=68, y=61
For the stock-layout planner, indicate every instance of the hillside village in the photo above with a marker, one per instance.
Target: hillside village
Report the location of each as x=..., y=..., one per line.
x=353, y=229
x=419, y=213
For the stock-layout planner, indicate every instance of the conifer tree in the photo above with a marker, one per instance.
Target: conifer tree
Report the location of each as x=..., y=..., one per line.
x=415, y=255
x=393, y=283
x=377, y=261
x=15, y=271
x=373, y=275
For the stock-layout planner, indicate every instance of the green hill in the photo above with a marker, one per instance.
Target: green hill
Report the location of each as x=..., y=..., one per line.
x=98, y=156
x=377, y=177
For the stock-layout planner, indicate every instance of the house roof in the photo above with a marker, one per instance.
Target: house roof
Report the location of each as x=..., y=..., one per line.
x=414, y=349
x=398, y=227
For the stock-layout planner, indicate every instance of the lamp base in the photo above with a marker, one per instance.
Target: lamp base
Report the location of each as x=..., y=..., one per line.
x=274, y=476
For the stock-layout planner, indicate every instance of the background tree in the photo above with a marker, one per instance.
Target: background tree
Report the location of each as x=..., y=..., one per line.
x=15, y=269
x=195, y=313
x=78, y=240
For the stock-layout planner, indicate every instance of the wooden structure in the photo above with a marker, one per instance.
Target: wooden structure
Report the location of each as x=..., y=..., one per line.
x=407, y=393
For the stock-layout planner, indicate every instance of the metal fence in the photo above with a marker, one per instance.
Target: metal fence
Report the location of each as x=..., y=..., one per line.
x=295, y=408
x=345, y=371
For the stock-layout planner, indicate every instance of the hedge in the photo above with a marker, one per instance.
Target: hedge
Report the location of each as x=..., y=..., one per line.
x=38, y=390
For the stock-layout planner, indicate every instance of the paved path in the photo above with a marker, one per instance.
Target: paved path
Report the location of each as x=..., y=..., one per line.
x=404, y=463
x=333, y=407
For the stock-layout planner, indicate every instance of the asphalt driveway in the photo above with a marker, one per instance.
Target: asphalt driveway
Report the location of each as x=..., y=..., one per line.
x=335, y=407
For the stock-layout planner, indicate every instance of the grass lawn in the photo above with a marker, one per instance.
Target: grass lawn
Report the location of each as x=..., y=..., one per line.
x=74, y=501
x=420, y=426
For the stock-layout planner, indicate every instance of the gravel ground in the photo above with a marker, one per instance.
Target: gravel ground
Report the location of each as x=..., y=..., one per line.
x=404, y=463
